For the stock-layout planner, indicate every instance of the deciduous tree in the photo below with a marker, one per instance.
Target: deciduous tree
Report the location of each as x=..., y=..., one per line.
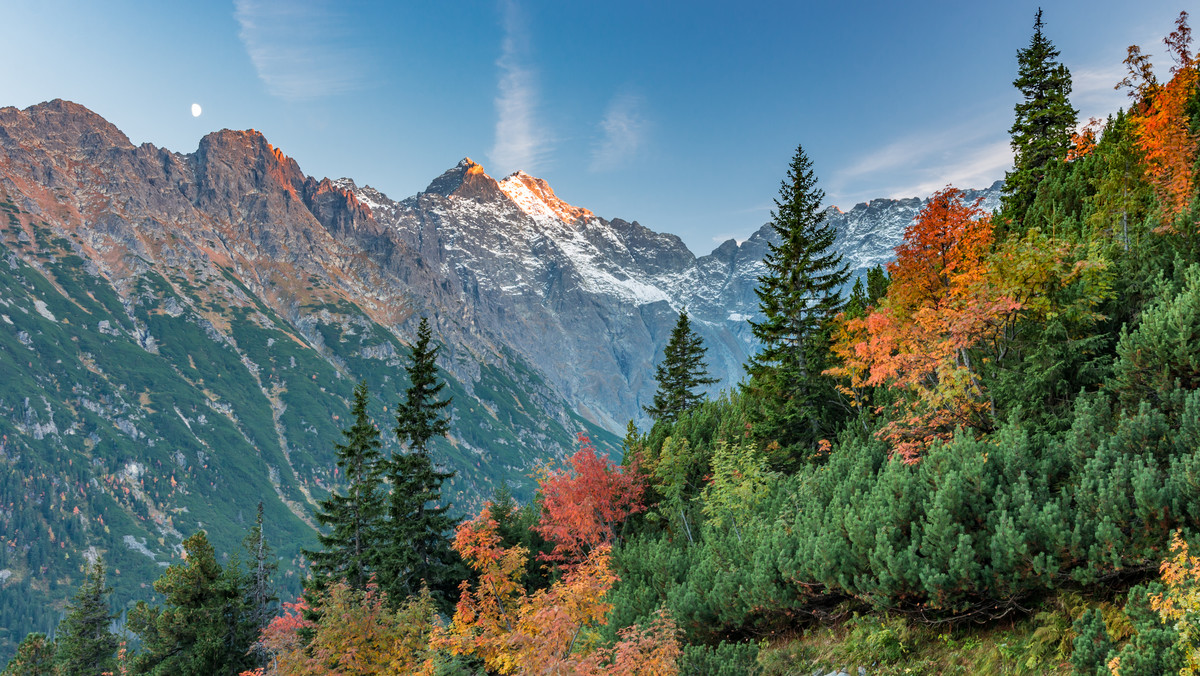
x=513, y=631
x=357, y=634
x=585, y=502
x=939, y=305
x=1162, y=120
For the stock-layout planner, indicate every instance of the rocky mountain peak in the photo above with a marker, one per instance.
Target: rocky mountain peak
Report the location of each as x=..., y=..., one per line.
x=465, y=180
x=62, y=127
x=241, y=163
x=535, y=197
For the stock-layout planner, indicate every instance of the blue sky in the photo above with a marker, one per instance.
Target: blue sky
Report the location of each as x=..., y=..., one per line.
x=682, y=116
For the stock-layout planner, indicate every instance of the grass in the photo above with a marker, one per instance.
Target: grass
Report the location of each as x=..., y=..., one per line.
x=888, y=646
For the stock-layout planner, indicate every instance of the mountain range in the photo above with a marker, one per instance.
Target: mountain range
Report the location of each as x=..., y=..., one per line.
x=180, y=334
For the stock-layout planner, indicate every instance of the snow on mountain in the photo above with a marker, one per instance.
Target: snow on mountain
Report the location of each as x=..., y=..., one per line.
x=591, y=301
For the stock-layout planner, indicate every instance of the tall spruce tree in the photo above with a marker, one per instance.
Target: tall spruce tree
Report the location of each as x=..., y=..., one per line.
x=349, y=551
x=1041, y=133
x=680, y=372
x=798, y=294
x=417, y=545
x=85, y=646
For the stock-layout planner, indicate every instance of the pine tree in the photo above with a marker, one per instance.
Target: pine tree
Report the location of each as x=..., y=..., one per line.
x=1044, y=122
x=680, y=372
x=201, y=628
x=354, y=518
x=417, y=544
x=797, y=295
x=35, y=657
x=85, y=645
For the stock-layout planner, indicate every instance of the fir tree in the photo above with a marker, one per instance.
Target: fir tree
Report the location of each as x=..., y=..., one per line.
x=1044, y=122
x=680, y=372
x=85, y=646
x=857, y=304
x=354, y=518
x=877, y=284
x=417, y=544
x=797, y=295
x=420, y=417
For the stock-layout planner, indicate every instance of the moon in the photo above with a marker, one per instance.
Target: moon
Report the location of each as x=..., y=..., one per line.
x=195, y=110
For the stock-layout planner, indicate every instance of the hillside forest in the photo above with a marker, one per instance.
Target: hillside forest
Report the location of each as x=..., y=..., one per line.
x=983, y=458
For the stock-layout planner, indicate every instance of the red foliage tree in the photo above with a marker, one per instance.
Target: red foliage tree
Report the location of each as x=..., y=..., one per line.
x=584, y=503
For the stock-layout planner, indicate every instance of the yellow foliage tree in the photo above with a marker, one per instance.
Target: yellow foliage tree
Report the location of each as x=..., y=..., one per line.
x=1179, y=605
x=357, y=634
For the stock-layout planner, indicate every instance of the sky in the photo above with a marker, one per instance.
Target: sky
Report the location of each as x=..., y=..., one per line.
x=682, y=116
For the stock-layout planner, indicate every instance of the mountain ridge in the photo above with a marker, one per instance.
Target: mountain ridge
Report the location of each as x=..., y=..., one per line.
x=180, y=334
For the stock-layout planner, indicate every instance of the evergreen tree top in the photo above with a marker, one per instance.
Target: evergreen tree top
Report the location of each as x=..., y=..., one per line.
x=1044, y=118
x=419, y=417
x=680, y=372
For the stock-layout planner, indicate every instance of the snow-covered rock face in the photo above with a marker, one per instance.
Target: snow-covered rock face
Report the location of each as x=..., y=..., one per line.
x=592, y=301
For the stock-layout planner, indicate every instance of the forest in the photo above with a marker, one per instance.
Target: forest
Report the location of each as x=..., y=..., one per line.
x=985, y=458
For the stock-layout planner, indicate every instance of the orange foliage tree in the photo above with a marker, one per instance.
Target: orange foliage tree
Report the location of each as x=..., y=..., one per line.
x=940, y=305
x=1161, y=122
x=584, y=503
x=1083, y=141
x=550, y=631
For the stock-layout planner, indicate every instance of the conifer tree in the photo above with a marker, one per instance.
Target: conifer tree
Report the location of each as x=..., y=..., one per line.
x=260, y=593
x=856, y=306
x=1044, y=122
x=202, y=627
x=417, y=544
x=877, y=284
x=355, y=517
x=680, y=372
x=35, y=657
x=85, y=646
x=419, y=418
x=798, y=293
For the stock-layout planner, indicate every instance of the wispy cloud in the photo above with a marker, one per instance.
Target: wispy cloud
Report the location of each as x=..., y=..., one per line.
x=623, y=133
x=1093, y=92
x=521, y=142
x=975, y=167
x=300, y=48
x=969, y=155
